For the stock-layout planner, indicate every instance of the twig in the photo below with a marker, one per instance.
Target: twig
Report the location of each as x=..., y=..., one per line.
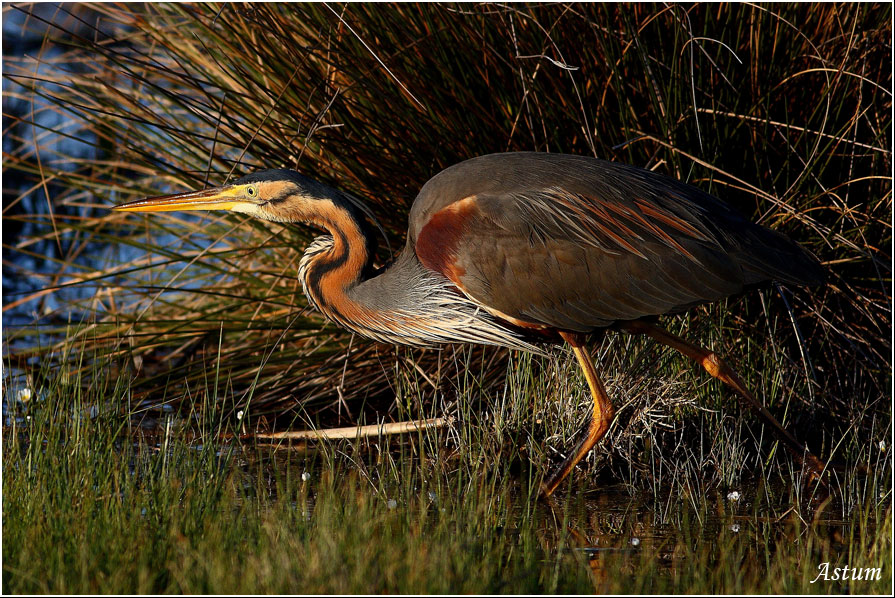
x=356, y=431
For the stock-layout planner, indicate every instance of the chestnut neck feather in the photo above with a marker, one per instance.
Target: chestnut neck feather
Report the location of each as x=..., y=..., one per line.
x=333, y=265
x=405, y=303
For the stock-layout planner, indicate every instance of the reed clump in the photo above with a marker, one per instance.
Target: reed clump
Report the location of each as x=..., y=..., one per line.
x=783, y=111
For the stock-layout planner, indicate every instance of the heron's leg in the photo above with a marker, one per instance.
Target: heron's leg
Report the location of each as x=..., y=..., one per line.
x=599, y=421
x=715, y=366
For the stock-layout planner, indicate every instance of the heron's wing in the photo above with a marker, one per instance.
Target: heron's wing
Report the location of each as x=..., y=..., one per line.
x=576, y=243
x=574, y=262
x=577, y=261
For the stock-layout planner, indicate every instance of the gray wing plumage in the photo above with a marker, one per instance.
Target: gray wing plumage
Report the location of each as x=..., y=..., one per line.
x=577, y=243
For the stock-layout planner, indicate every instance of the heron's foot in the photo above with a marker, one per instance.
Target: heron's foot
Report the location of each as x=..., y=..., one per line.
x=549, y=485
x=601, y=416
x=719, y=369
x=816, y=468
x=596, y=429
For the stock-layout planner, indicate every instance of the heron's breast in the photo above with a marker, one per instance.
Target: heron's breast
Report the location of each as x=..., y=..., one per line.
x=439, y=240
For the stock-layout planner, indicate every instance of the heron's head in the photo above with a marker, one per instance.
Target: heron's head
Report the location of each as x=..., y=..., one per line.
x=277, y=195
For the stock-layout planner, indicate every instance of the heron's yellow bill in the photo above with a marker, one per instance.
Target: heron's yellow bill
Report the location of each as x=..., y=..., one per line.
x=219, y=198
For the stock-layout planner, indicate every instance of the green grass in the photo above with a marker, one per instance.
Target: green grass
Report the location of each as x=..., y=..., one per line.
x=93, y=503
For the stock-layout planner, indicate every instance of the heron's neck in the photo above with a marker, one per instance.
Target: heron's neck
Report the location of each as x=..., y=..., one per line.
x=404, y=304
x=333, y=265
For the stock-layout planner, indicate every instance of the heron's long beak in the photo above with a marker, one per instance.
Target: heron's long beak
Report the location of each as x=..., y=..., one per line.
x=229, y=198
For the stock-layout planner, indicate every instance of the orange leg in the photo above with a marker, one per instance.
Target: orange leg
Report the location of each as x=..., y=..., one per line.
x=715, y=366
x=600, y=418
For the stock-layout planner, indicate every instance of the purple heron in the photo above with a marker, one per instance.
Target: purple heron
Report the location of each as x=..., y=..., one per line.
x=524, y=249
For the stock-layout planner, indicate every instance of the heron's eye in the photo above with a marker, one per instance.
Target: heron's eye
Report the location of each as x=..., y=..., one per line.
x=252, y=191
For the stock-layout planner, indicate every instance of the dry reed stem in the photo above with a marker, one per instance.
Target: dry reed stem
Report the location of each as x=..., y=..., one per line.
x=354, y=432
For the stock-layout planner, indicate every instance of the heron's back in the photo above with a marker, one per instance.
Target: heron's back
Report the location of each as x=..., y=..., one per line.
x=575, y=242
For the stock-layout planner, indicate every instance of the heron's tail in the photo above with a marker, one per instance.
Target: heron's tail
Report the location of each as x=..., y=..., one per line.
x=767, y=255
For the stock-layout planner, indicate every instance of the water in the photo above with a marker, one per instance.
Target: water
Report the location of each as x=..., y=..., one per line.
x=32, y=128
